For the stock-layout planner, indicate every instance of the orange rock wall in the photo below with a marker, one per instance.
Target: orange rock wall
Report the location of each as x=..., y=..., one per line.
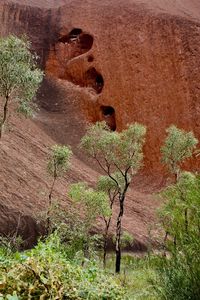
x=149, y=60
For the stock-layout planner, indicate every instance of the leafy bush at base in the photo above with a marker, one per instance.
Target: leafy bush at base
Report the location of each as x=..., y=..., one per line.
x=179, y=273
x=46, y=273
x=178, y=277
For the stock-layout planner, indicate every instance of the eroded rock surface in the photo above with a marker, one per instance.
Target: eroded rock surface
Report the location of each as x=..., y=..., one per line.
x=120, y=61
x=141, y=58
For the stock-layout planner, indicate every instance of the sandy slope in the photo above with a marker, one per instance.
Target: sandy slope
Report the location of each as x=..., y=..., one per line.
x=24, y=182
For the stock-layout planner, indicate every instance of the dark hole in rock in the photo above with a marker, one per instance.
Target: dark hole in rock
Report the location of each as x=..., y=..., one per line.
x=95, y=80
x=86, y=41
x=107, y=110
x=75, y=32
x=90, y=58
x=108, y=115
x=73, y=35
x=76, y=43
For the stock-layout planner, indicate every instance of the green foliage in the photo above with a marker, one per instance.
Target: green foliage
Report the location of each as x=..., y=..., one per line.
x=59, y=158
x=106, y=184
x=11, y=243
x=137, y=275
x=179, y=275
x=95, y=203
x=112, y=184
x=182, y=198
x=127, y=239
x=179, y=145
x=120, y=152
x=19, y=75
x=74, y=231
x=58, y=164
x=45, y=273
x=120, y=156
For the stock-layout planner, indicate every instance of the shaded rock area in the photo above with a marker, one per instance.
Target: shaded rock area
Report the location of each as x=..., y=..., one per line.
x=118, y=61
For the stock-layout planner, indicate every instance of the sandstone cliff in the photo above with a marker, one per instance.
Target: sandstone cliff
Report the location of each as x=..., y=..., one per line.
x=119, y=61
x=134, y=60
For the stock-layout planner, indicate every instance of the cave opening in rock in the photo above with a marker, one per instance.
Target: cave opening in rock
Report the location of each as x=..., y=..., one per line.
x=95, y=80
x=75, y=32
x=76, y=42
x=86, y=41
x=70, y=37
x=108, y=115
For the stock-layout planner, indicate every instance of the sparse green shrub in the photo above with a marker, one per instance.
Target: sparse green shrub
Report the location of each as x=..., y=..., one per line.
x=127, y=239
x=93, y=204
x=179, y=146
x=45, y=273
x=74, y=231
x=58, y=164
x=178, y=272
x=19, y=76
x=116, y=152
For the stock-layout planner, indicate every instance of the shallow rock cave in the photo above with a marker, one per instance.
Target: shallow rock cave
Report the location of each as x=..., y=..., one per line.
x=74, y=34
x=108, y=115
x=94, y=79
x=77, y=42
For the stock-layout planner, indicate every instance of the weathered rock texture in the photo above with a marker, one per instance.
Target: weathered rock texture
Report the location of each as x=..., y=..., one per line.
x=148, y=57
x=113, y=60
x=140, y=58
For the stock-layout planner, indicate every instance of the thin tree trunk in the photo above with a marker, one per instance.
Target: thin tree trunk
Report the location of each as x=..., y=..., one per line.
x=49, y=208
x=175, y=243
x=165, y=241
x=5, y=112
x=186, y=221
x=105, y=243
x=107, y=223
x=118, y=234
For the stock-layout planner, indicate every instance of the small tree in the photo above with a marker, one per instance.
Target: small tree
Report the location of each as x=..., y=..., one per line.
x=121, y=152
x=106, y=184
x=179, y=274
x=179, y=145
x=93, y=204
x=58, y=164
x=180, y=198
x=19, y=76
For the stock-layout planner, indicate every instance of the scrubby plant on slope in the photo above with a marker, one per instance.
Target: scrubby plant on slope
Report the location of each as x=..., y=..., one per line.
x=116, y=152
x=45, y=272
x=58, y=164
x=19, y=76
x=108, y=186
x=179, y=272
x=93, y=203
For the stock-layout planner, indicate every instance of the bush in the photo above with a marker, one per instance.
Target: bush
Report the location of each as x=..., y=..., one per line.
x=179, y=273
x=46, y=273
x=178, y=278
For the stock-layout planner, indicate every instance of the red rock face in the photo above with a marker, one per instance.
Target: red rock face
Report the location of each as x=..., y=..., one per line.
x=118, y=61
x=141, y=63
x=141, y=60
